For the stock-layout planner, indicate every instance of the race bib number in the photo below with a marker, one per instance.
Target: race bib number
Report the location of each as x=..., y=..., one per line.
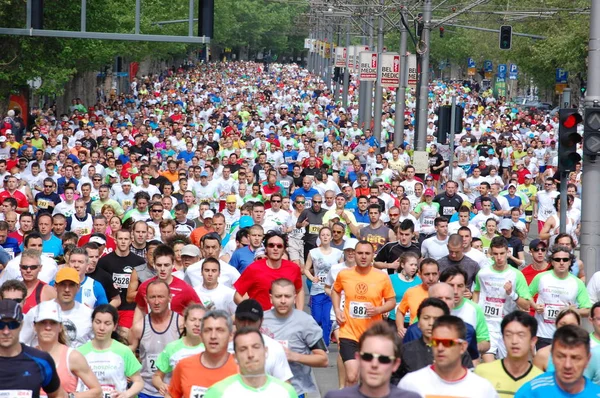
x=428, y=222
x=51, y=255
x=151, y=360
x=127, y=203
x=85, y=231
x=493, y=307
x=10, y=252
x=15, y=393
x=314, y=228
x=551, y=311
x=448, y=211
x=289, y=159
x=322, y=278
x=121, y=281
x=43, y=204
x=107, y=391
x=197, y=391
x=358, y=310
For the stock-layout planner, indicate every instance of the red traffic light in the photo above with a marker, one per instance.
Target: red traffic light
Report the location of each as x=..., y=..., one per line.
x=571, y=120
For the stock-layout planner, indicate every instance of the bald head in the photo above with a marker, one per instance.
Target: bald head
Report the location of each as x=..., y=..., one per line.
x=444, y=292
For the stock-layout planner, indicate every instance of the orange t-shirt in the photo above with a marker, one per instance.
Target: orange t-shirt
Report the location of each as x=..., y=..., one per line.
x=191, y=379
x=173, y=177
x=411, y=301
x=374, y=287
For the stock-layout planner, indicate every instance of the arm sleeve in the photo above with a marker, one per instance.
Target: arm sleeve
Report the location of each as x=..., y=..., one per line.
x=533, y=287
x=592, y=287
x=244, y=281
x=100, y=294
x=521, y=287
x=583, y=298
x=162, y=362
x=132, y=365
x=482, y=331
x=281, y=367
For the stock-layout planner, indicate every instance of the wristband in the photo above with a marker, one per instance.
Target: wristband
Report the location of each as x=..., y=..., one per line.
x=514, y=296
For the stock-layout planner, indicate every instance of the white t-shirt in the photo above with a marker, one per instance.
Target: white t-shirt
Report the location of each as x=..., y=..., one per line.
x=219, y=298
x=427, y=383
x=434, y=248
x=229, y=275
x=546, y=204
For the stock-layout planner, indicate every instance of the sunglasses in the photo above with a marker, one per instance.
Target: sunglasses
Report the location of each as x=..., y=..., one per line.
x=97, y=179
x=561, y=259
x=382, y=359
x=48, y=186
x=446, y=342
x=338, y=232
x=299, y=202
x=275, y=201
x=539, y=249
x=275, y=245
x=394, y=215
x=29, y=267
x=234, y=203
x=12, y=325
x=157, y=210
x=317, y=201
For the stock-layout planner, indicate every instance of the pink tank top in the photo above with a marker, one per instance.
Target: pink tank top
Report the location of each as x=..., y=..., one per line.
x=68, y=381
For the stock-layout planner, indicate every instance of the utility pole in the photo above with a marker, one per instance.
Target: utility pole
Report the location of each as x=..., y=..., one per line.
x=378, y=106
x=452, y=133
x=590, y=217
x=346, y=75
x=336, y=85
x=369, y=85
x=424, y=80
x=564, y=175
x=401, y=93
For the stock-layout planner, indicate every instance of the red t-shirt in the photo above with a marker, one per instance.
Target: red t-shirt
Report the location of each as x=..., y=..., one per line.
x=529, y=273
x=267, y=190
x=110, y=247
x=257, y=278
x=19, y=197
x=17, y=235
x=182, y=295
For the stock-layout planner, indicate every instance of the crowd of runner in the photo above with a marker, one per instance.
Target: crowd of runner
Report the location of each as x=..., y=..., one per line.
x=167, y=242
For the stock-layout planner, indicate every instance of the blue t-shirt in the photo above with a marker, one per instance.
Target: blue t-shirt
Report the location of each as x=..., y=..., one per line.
x=400, y=287
x=92, y=290
x=307, y=195
x=31, y=370
x=11, y=246
x=52, y=245
x=242, y=258
x=545, y=386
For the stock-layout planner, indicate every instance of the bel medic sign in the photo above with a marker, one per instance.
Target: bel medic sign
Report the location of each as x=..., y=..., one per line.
x=340, y=57
x=390, y=70
x=368, y=66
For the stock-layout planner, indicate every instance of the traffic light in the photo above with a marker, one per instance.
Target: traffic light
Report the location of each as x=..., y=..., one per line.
x=568, y=138
x=505, y=37
x=37, y=14
x=441, y=31
x=591, y=132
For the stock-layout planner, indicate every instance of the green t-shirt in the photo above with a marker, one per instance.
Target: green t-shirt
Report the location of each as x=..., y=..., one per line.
x=234, y=387
x=111, y=366
x=174, y=352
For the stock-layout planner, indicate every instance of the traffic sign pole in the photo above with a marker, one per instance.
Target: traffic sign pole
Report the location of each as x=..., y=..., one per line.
x=590, y=217
x=401, y=92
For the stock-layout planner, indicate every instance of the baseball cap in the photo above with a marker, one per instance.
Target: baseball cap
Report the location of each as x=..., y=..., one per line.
x=481, y=159
x=126, y=182
x=112, y=174
x=506, y=224
x=10, y=309
x=512, y=185
x=13, y=150
x=48, y=311
x=204, y=174
x=429, y=192
x=246, y=221
x=208, y=214
x=249, y=309
x=528, y=176
x=98, y=238
x=67, y=274
x=379, y=166
x=491, y=151
x=350, y=243
x=535, y=243
x=231, y=198
x=190, y=250
x=2, y=139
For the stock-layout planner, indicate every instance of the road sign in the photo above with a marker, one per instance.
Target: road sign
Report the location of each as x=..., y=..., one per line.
x=513, y=72
x=368, y=66
x=413, y=71
x=340, y=57
x=471, y=63
x=390, y=70
x=502, y=71
x=562, y=76
x=560, y=87
x=488, y=66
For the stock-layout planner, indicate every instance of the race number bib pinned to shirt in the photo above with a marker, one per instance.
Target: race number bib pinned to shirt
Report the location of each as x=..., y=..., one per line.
x=314, y=228
x=322, y=277
x=121, y=281
x=15, y=393
x=107, y=390
x=551, y=312
x=358, y=310
x=493, y=307
x=197, y=391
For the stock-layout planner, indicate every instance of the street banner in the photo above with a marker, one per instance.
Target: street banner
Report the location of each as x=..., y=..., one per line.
x=368, y=66
x=412, y=70
x=390, y=70
x=340, y=57
x=307, y=43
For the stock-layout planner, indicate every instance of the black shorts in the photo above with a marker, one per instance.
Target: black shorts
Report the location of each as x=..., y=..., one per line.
x=348, y=349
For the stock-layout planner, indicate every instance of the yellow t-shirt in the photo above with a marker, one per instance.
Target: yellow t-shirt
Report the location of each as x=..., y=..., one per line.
x=503, y=383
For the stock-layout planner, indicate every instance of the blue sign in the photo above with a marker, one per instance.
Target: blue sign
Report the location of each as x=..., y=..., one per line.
x=513, y=72
x=488, y=66
x=562, y=76
x=470, y=63
x=502, y=71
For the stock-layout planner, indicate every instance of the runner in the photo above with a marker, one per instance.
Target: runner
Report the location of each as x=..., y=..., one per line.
x=368, y=294
x=448, y=376
x=106, y=348
x=25, y=370
x=71, y=366
x=215, y=295
x=195, y=374
x=37, y=291
x=157, y=329
x=250, y=354
x=299, y=334
x=510, y=373
x=189, y=344
x=389, y=255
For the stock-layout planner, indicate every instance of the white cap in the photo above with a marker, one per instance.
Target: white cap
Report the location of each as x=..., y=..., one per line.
x=48, y=311
x=350, y=243
x=506, y=224
x=208, y=214
x=2, y=139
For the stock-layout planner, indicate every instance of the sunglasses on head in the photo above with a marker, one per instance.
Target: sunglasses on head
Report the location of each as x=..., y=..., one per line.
x=446, y=342
x=382, y=359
